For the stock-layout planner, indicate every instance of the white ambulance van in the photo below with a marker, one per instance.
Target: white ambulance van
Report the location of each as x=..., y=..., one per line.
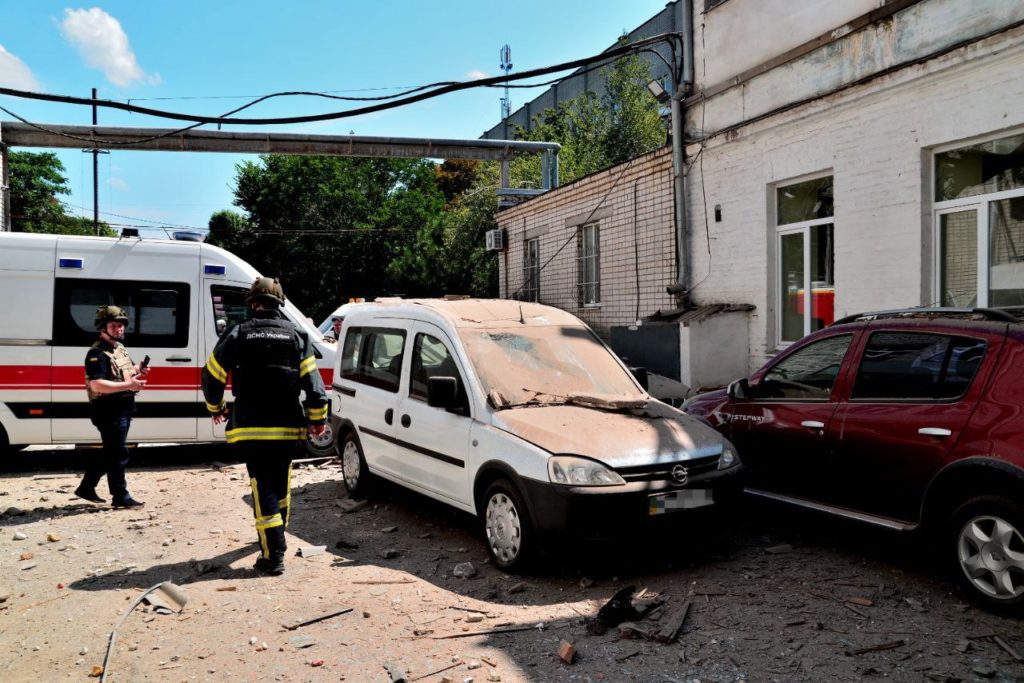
x=179, y=297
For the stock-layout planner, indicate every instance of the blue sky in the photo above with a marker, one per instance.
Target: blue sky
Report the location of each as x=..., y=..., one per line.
x=210, y=57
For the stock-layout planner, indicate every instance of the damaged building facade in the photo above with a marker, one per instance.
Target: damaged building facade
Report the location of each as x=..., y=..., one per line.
x=839, y=158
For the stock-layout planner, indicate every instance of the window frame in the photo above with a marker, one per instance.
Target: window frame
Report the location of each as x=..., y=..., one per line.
x=463, y=408
x=981, y=203
x=126, y=294
x=804, y=229
x=358, y=373
x=851, y=343
x=531, y=269
x=583, y=285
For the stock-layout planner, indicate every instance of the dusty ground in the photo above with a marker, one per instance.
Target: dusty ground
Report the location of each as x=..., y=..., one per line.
x=773, y=595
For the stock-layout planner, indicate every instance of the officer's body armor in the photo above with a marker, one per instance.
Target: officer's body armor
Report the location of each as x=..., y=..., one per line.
x=121, y=369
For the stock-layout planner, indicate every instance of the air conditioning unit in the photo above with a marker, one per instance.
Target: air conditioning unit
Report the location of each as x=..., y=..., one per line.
x=494, y=240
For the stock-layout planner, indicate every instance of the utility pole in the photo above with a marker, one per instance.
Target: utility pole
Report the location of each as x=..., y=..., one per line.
x=505, y=55
x=95, y=175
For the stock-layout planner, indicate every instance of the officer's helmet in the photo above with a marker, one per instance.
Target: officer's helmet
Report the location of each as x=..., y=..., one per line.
x=266, y=290
x=109, y=314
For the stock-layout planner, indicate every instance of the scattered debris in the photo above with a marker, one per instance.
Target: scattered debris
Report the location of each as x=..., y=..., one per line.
x=316, y=619
x=301, y=642
x=863, y=602
x=488, y=661
x=566, y=652
x=169, y=594
x=52, y=538
x=628, y=655
x=878, y=648
x=586, y=583
x=18, y=535
x=311, y=550
x=670, y=631
x=316, y=662
x=27, y=556
x=457, y=662
x=628, y=629
x=779, y=549
x=345, y=545
x=517, y=587
x=227, y=589
x=389, y=530
x=474, y=619
x=382, y=582
x=1006, y=646
x=349, y=505
x=389, y=554
x=464, y=570
x=396, y=673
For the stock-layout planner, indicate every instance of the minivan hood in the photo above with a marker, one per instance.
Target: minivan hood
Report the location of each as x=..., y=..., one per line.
x=657, y=433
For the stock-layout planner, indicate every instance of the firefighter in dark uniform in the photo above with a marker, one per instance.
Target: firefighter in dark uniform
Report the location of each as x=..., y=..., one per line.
x=269, y=362
x=111, y=381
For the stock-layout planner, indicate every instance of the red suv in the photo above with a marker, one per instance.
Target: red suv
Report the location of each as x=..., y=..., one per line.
x=904, y=419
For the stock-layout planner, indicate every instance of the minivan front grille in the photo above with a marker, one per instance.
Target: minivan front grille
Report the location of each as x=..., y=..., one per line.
x=662, y=471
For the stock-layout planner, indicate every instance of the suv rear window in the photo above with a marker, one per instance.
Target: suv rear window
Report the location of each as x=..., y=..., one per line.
x=916, y=365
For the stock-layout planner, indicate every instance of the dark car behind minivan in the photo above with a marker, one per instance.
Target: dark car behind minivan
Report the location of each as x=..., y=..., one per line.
x=904, y=419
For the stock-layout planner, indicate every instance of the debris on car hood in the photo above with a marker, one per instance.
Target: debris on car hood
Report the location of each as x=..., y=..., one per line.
x=627, y=439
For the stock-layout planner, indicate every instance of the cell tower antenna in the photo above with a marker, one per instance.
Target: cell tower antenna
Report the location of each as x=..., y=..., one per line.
x=505, y=54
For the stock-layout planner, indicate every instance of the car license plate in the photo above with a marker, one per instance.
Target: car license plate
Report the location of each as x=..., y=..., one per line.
x=686, y=499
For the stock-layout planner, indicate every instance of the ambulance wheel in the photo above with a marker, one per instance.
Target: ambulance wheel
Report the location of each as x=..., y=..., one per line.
x=321, y=446
x=354, y=471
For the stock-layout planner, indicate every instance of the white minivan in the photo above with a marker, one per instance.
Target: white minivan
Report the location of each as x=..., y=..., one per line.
x=179, y=296
x=518, y=413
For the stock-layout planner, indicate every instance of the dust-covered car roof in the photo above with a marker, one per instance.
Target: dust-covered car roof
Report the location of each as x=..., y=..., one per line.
x=484, y=313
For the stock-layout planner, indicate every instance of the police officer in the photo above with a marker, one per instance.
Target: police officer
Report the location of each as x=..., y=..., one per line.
x=111, y=381
x=270, y=362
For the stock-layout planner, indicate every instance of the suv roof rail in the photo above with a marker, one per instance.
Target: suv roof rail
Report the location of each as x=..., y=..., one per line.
x=1012, y=314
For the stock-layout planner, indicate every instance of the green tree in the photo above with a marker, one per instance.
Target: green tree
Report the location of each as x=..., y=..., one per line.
x=329, y=227
x=37, y=180
x=635, y=125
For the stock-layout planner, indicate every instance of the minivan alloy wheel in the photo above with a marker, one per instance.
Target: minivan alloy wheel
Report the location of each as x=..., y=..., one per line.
x=991, y=554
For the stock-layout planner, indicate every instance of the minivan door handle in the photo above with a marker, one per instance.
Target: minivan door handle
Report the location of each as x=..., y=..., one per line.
x=178, y=359
x=406, y=420
x=934, y=431
x=389, y=415
x=812, y=424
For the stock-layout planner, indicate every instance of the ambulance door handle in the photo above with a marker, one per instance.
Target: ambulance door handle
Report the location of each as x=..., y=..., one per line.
x=178, y=359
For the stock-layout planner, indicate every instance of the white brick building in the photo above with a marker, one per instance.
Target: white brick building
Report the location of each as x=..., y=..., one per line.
x=842, y=157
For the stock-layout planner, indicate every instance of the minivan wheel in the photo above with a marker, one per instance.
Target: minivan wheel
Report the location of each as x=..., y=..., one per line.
x=987, y=538
x=507, y=527
x=353, y=466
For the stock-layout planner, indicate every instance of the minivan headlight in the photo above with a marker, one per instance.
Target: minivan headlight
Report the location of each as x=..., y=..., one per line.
x=728, y=458
x=574, y=471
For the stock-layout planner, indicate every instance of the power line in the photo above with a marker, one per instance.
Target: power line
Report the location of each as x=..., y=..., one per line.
x=417, y=95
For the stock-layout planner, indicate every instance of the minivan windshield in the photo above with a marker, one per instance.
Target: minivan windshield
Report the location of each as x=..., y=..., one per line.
x=545, y=364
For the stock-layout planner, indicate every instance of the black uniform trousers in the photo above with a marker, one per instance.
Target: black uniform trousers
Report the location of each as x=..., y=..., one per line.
x=113, y=457
x=269, y=464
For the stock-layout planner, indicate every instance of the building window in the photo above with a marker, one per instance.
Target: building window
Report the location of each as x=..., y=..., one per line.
x=979, y=224
x=805, y=242
x=531, y=270
x=588, y=265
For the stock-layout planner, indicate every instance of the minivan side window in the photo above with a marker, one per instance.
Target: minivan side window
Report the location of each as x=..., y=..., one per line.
x=807, y=374
x=158, y=312
x=373, y=356
x=431, y=358
x=916, y=365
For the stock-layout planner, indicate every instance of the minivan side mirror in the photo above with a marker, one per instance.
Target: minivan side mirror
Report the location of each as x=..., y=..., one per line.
x=442, y=392
x=739, y=389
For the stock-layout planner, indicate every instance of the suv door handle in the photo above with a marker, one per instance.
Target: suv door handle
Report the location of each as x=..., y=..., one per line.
x=812, y=424
x=406, y=421
x=389, y=415
x=934, y=431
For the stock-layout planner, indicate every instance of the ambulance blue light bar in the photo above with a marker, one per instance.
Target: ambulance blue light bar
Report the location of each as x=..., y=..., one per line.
x=70, y=263
x=214, y=269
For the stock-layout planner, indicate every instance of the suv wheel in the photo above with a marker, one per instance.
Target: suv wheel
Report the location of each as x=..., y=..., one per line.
x=507, y=526
x=353, y=466
x=987, y=535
